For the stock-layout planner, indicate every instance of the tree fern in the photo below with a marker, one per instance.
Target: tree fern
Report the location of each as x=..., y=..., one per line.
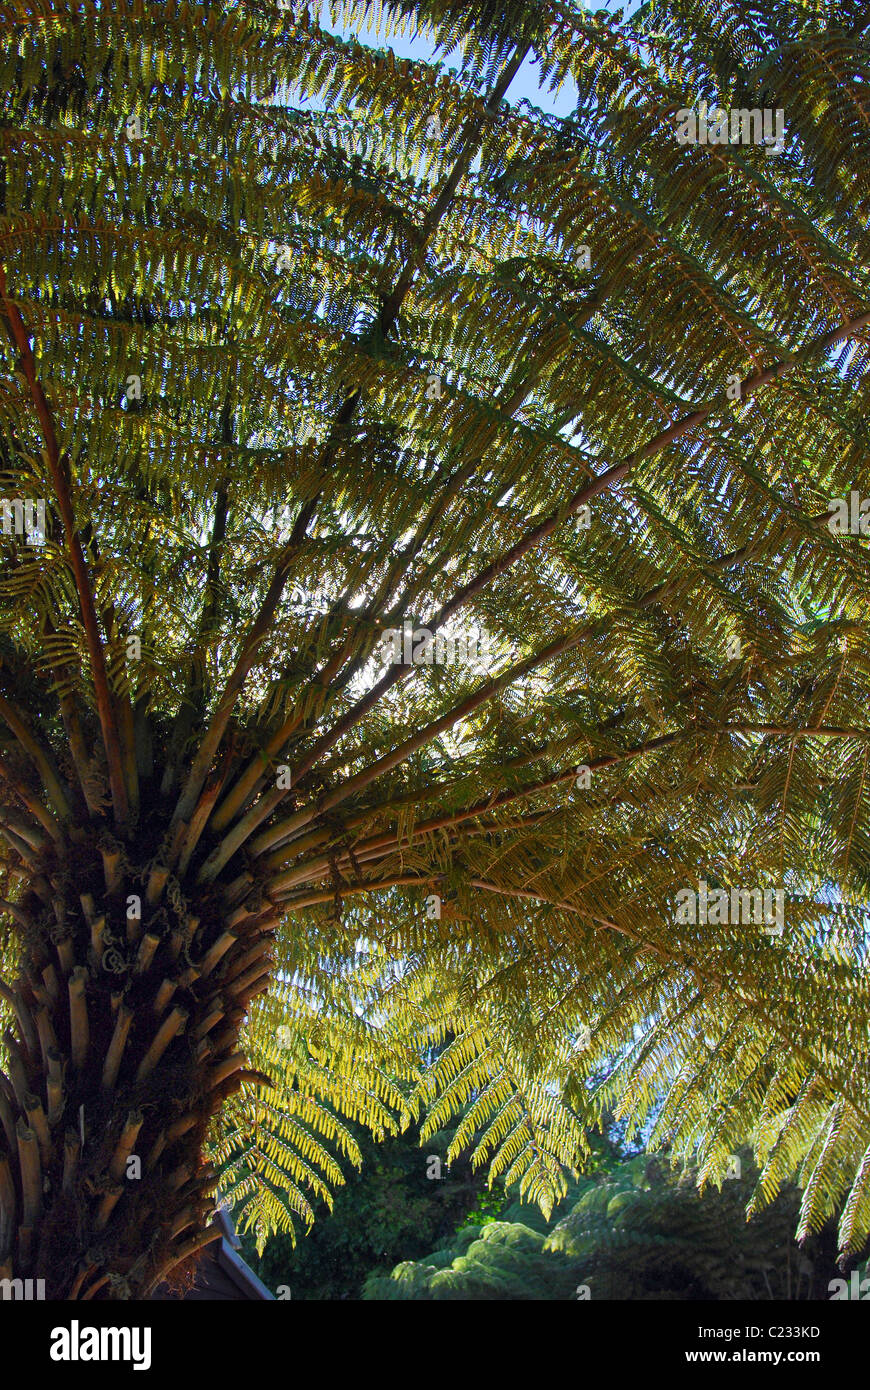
x=292, y=372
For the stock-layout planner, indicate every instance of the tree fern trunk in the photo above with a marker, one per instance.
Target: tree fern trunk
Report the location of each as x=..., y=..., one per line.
x=127, y=1015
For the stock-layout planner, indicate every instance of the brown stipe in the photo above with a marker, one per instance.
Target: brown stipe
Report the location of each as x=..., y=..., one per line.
x=171, y=1025
x=116, y=1047
x=78, y=1017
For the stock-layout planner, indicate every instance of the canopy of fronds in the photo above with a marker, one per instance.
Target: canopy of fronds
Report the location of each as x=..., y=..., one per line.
x=333, y=342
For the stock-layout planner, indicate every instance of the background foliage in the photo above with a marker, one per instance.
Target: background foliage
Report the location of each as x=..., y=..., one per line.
x=636, y=1231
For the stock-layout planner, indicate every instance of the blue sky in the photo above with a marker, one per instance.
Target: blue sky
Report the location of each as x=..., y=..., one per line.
x=525, y=84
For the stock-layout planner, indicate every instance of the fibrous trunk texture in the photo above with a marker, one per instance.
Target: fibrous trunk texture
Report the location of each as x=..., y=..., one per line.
x=127, y=1015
